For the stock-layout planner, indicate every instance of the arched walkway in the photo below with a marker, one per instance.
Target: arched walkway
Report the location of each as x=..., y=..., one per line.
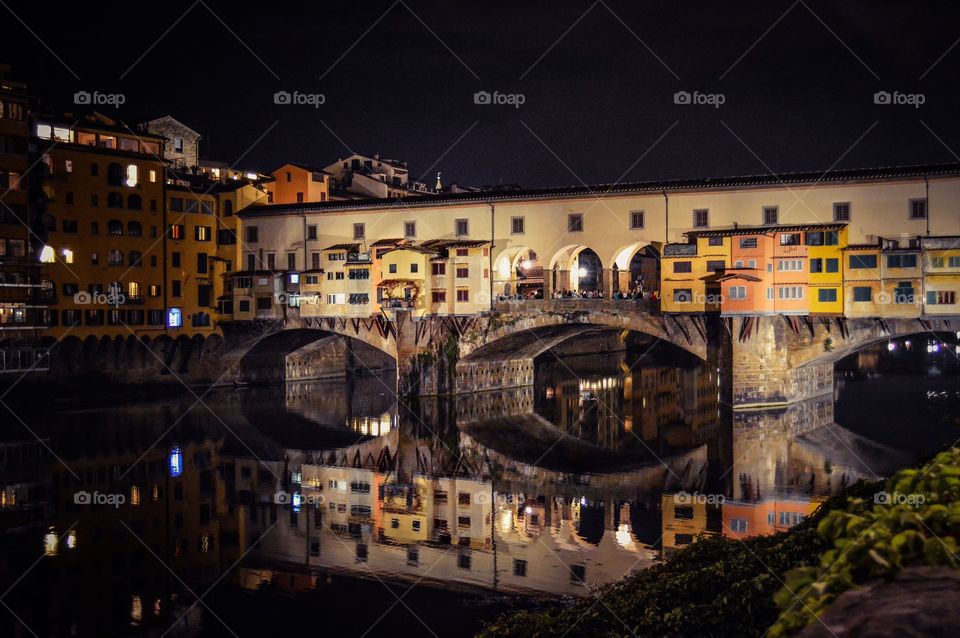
x=518, y=273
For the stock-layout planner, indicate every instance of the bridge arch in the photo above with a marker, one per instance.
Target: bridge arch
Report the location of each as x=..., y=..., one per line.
x=517, y=270
x=311, y=353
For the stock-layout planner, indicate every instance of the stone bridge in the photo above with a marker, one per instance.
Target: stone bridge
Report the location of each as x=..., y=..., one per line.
x=764, y=361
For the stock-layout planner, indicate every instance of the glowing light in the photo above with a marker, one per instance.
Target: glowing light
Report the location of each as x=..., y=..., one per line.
x=176, y=461
x=174, y=318
x=71, y=541
x=136, y=610
x=527, y=264
x=528, y=509
x=67, y=255
x=47, y=255
x=891, y=346
x=50, y=543
x=132, y=175
x=581, y=272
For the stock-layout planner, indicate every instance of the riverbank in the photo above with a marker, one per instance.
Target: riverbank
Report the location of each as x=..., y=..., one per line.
x=777, y=583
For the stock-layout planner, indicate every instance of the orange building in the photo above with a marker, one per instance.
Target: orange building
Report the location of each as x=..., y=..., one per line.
x=298, y=183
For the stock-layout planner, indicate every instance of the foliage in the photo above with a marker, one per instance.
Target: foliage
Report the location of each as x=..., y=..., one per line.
x=915, y=520
x=828, y=344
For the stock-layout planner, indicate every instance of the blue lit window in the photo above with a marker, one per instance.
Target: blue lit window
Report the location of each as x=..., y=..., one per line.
x=174, y=318
x=176, y=461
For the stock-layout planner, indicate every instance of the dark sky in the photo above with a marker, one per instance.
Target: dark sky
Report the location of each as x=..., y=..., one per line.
x=801, y=96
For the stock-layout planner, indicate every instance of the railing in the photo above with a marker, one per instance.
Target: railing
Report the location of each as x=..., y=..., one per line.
x=12, y=361
x=649, y=306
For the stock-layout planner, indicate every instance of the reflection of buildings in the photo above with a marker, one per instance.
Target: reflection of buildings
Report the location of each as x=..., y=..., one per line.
x=685, y=516
x=742, y=519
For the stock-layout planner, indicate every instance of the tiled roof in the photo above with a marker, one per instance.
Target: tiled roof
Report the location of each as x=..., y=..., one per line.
x=837, y=176
x=347, y=247
x=761, y=230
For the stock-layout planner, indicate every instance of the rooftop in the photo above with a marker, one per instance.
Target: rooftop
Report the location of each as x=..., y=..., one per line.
x=838, y=176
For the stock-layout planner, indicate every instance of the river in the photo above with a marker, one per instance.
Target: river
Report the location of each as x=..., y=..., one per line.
x=329, y=505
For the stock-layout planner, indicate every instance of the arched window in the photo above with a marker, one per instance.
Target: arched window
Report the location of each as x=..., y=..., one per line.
x=227, y=208
x=114, y=227
x=114, y=200
x=115, y=174
x=133, y=290
x=134, y=258
x=134, y=229
x=115, y=257
x=47, y=255
x=134, y=202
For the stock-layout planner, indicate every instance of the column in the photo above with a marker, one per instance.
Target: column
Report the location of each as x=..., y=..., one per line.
x=563, y=280
x=606, y=282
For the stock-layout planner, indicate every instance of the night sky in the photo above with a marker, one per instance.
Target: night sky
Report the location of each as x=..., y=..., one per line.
x=598, y=82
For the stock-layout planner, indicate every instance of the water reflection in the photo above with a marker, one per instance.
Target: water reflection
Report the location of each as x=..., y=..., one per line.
x=607, y=463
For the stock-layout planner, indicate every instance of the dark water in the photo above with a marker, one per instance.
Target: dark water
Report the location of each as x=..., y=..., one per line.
x=328, y=506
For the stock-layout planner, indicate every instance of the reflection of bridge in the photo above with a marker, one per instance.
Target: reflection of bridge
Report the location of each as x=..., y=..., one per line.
x=764, y=361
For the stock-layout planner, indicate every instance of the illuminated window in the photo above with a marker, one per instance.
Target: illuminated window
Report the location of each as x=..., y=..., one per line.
x=67, y=256
x=134, y=495
x=153, y=176
x=47, y=255
x=174, y=320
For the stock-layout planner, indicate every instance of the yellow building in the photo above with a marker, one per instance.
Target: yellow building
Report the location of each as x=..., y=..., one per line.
x=104, y=190
x=901, y=277
x=941, y=275
x=825, y=259
x=690, y=274
x=861, y=281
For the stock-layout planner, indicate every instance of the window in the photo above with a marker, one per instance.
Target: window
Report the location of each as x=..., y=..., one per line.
x=862, y=261
x=463, y=272
x=953, y=262
x=816, y=265
x=438, y=296
x=177, y=231
x=790, y=292
x=828, y=238
x=771, y=215
x=359, y=231
x=114, y=174
x=516, y=225
x=715, y=265
x=202, y=263
x=410, y=230
x=438, y=269
x=682, y=295
x=291, y=261
x=738, y=292
x=936, y=262
x=918, y=208
x=862, y=293
x=114, y=227
x=701, y=218
x=463, y=295
x=175, y=288
x=135, y=258
x=901, y=261
x=793, y=265
x=462, y=227
x=841, y=211
x=575, y=223
x=206, y=207
x=790, y=239
x=941, y=297
x=463, y=560
x=715, y=241
x=682, y=266
x=833, y=264
x=175, y=259
x=827, y=295
x=133, y=175
x=738, y=525
x=748, y=242
x=578, y=574
x=202, y=233
x=115, y=257
x=250, y=234
x=903, y=293
x=636, y=220
x=519, y=567
x=271, y=261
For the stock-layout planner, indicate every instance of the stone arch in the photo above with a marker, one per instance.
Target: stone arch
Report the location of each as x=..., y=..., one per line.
x=564, y=262
x=626, y=270
x=518, y=269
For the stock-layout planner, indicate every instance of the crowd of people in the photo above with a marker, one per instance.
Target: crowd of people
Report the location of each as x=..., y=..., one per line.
x=638, y=292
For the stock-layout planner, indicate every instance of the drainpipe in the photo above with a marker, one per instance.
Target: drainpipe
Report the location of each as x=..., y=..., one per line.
x=926, y=187
x=490, y=253
x=303, y=214
x=666, y=217
x=163, y=258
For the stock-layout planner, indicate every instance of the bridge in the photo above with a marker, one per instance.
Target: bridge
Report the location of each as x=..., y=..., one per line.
x=764, y=361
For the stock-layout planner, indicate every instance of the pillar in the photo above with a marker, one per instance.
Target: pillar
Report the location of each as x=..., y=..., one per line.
x=548, y=285
x=563, y=280
x=606, y=282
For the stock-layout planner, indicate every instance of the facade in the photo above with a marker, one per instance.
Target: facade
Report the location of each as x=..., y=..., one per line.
x=25, y=289
x=182, y=147
x=941, y=275
x=298, y=183
x=366, y=176
x=103, y=192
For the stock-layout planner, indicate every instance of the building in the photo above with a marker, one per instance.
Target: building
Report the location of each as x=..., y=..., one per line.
x=182, y=147
x=298, y=183
x=103, y=193
x=25, y=288
x=941, y=275
x=368, y=176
